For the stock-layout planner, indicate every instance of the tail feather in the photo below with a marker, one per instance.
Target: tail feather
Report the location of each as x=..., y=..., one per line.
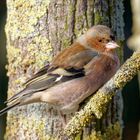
x=3, y=111
x=35, y=87
x=19, y=94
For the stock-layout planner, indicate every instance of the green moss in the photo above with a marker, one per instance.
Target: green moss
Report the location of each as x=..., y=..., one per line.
x=98, y=18
x=78, y=137
x=80, y=32
x=66, y=43
x=101, y=12
x=120, y=51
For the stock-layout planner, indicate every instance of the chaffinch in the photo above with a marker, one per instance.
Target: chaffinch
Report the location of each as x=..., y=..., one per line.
x=74, y=74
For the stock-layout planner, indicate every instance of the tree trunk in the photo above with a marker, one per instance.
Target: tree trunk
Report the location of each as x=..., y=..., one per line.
x=36, y=31
x=3, y=62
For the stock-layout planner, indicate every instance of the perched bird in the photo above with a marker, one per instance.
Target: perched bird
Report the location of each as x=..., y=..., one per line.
x=74, y=74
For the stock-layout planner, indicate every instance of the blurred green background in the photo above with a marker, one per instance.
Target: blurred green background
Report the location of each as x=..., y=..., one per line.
x=131, y=96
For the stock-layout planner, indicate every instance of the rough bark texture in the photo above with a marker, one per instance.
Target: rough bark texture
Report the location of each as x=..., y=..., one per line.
x=36, y=31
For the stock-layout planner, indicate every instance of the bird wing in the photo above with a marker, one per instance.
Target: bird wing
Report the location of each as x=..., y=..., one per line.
x=51, y=75
x=39, y=73
x=71, y=66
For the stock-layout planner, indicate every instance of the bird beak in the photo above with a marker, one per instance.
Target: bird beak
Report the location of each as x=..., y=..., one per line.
x=112, y=45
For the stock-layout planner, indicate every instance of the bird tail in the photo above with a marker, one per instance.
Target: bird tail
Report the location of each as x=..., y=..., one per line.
x=40, y=84
x=3, y=111
x=17, y=96
x=16, y=100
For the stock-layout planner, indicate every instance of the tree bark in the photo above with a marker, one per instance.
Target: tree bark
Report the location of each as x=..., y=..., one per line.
x=36, y=31
x=3, y=62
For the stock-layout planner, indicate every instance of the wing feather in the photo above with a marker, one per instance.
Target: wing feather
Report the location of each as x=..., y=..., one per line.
x=49, y=75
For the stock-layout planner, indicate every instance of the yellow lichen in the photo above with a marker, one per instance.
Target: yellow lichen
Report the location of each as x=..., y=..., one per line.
x=127, y=71
x=13, y=54
x=99, y=102
x=111, y=133
x=39, y=50
x=37, y=53
x=27, y=123
x=24, y=16
x=25, y=58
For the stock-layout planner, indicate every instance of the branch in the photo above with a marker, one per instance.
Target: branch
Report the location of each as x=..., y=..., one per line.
x=97, y=105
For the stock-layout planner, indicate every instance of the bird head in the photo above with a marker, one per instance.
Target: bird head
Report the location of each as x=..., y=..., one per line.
x=98, y=38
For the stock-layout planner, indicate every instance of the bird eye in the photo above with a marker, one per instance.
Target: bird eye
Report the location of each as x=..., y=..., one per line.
x=100, y=40
x=108, y=40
